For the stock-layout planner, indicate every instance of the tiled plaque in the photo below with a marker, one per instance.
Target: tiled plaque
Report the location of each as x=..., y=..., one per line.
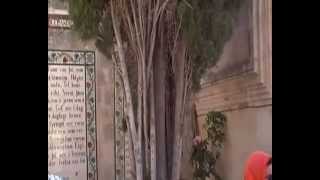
x=72, y=142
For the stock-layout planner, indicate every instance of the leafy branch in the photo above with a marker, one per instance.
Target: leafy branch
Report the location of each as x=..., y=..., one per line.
x=206, y=152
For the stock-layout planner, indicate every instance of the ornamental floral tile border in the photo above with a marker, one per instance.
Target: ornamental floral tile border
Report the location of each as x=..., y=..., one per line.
x=123, y=166
x=118, y=128
x=71, y=57
x=87, y=59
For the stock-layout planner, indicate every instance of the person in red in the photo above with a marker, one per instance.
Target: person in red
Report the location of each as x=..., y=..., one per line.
x=256, y=167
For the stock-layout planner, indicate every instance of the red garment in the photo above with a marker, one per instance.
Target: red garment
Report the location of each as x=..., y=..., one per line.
x=256, y=166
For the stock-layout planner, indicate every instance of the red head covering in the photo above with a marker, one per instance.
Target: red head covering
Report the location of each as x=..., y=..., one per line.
x=256, y=166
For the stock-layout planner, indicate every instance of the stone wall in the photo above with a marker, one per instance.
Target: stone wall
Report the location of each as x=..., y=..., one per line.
x=241, y=86
x=235, y=58
x=247, y=130
x=65, y=39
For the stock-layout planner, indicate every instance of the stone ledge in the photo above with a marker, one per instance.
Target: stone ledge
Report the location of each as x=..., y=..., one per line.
x=237, y=93
x=57, y=11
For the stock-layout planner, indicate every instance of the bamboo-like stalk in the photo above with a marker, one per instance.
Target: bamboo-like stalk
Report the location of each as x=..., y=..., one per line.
x=184, y=75
x=153, y=143
x=142, y=33
x=133, y=130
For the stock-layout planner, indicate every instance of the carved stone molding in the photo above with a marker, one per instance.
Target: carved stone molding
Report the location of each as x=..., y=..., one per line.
x=250, y=89
x=58, y=15
x=59, y=21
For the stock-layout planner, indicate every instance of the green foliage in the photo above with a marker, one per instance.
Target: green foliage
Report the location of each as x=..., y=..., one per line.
x=91, y=19
x=86, y=16
x=202, y=161
x=206, y=26
x=215, y=126
x=104, y=41
x=206, y=153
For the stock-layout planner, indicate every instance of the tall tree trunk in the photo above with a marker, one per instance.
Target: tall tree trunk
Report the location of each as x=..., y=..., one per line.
x=160, y=68
x=180, y=66
x=153, y=125
x=122, y=63
x=146, y=141
x=169, y=119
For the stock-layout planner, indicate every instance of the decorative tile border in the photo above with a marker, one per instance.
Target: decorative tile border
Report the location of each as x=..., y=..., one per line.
x=87, y=59
x=70, y=57
x=91, y=122
x=123, y=153
x=118, y=128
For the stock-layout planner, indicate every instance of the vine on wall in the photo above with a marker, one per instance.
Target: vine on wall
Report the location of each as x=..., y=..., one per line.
x=207, y=151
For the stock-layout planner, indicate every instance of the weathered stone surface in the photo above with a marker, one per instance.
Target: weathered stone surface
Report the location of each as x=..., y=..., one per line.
x=241, y=87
